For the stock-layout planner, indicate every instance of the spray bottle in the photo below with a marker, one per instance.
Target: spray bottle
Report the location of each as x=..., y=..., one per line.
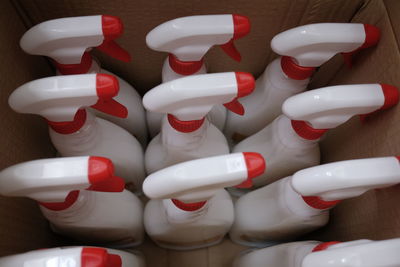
x=189, y=207
x=186, y=133
x=68, y=41
x=290, y=142
x=302, y=50
x=187, y=40
x=74, y=130
x=366, y=253
x=299, y=204
x=73, y=256
x=81, y=198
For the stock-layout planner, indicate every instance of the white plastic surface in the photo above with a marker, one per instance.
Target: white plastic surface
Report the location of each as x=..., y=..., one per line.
x=329, y=107
x=171, y=146
x=284, y=151
x=56, y=98
x=189, y=38
x=262, y=106
x=354, y=254
x=314, y=44
x=274, y=213
x=284, y=255
x=102, y=138
x=64, y=40
x=192, y=97
x=46, y=180
x=346, y=179
x=196, y=180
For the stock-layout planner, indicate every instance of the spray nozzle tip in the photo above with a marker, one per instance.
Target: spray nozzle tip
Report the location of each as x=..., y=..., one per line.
x=391, y=94
x=241, y=25
x=245, y=82
x=255, y=164
x=372, y=35
x=112, y=27
x=101, y=176
x=107, y=86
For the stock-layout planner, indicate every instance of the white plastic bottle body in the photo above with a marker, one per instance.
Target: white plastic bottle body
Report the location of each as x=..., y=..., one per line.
x=284, y=255
x=206, y=228
x=217, y=115
x=99, y=137
x=284, y=151
x=102, y=218
x=272, y=214
x=135, y=123
x=273, y=87
x=171, y=146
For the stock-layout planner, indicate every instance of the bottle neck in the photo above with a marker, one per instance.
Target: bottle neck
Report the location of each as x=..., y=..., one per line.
x=184, y=126
x=81, y=68
x=184, y=67
x=294, y=71
x=71, y=198
x=69, y=127
x=305, y=131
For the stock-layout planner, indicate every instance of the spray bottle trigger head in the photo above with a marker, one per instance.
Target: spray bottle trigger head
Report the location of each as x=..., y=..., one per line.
x=372, y=36
x=245, y=86
x=241, y=27
x=256, y=166
x=112, y=28
x=107, y=86
x=92, y=256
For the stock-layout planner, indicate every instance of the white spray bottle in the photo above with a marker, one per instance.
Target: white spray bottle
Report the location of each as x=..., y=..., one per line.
x=74, y=130
x=290, y=142
x=299, y=204
x=189, y=207
x=81, y=198
x=186, y=133
x=366, y=253
x=68, y=41
x=303, y=49
x=74, y=257
x=187, y=40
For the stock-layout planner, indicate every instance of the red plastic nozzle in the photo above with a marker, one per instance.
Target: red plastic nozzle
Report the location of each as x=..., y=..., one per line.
x=112, y=28
x=255, y=164
x=318, y=203
x=306, y=131
x=325, y=245
x=107, y=87
x=101, y=176
x=294, y=71
x=184, y=67
x=99, y=257
x=245, y=83
x=184, y=126
x=372, y=36
x=188, y=206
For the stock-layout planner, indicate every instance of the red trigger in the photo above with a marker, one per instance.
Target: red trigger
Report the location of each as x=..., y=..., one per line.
x=112, y=107
x=235, y=107
x=112, y=49
x=230, y=49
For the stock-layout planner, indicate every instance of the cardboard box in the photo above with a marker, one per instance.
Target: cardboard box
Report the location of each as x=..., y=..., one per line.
x=373, y=215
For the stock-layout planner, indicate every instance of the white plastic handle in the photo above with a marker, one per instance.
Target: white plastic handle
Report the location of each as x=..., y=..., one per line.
x=328, y=107
x=199, y=180
x=51, y=180
x=314, y=44
x=346, y=179
x=354, y=254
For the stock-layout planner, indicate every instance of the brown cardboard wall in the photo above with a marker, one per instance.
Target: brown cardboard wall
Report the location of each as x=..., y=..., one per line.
x=22, y=138
x=25, y=137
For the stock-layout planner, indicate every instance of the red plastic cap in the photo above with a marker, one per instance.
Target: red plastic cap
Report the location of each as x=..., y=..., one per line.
x=391, y=94
x=184, y=67
x=71, y=198
x=255, y=164
x=324, y=245
x=101, y=176
x=294, y=71
x=398, y=158
x=245, y=83
x=306, y=131
x=372, y=36
x=107, y=86
x=188, y=206
x=69, y=127
x=318, y=203
x=80, y=68
x=241, y=26
x=99, y=257
x=184, y=126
